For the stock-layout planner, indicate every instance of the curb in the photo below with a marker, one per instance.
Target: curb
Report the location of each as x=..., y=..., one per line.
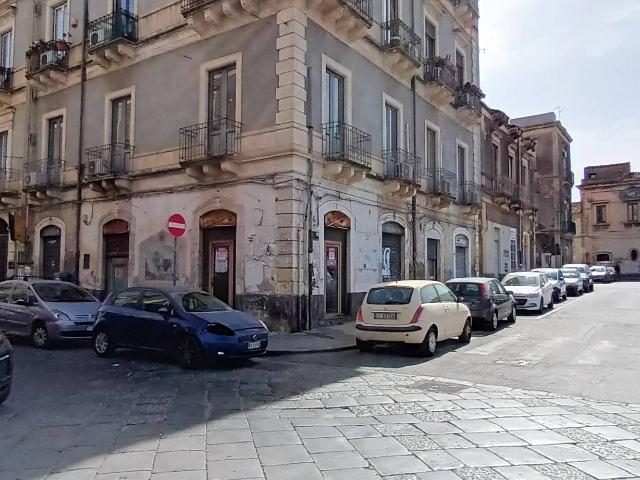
x=280, y=353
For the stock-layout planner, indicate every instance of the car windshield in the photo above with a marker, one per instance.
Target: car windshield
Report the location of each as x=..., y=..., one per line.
x=598, y=269
x=579, y=268
x=570, y=273
x=465, y=289
x=521, y=281
x=552, y=274
x=62, y=292
x=390, y=296
x=195, y=302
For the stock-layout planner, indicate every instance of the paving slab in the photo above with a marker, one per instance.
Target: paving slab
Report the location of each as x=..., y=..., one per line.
x=379, y=447
x=601, y=470
x=477, y=457
x=398, y=465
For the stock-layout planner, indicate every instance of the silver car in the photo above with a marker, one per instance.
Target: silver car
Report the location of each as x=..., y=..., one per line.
x=46, y=310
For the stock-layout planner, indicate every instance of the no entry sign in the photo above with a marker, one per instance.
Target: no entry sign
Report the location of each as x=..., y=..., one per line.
x=177, y=225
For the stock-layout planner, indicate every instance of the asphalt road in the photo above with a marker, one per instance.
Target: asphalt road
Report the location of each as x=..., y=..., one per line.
x=586, y=346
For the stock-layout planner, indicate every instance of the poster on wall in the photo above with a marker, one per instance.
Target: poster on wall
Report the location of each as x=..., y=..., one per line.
x=158, y=262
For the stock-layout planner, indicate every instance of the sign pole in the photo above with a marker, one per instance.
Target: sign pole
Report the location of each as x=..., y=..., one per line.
x=175, y=254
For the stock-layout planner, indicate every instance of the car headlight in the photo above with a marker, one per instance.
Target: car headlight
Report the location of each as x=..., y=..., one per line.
x=61, y=316
x=264, y=325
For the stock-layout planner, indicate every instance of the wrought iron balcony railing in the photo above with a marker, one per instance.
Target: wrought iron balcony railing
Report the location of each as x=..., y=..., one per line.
x=6, y=79
x=108, y=160
x=47, y=55
x=446, y=182
x=10, y=181
x=439, y=70
x=401, y=165
x=506, y=187
x=398, y=35
x=207, y=141
x=189, y=7
x=43, y=173
x=342, y=142
x=469, y=96
x=569, y=227
x=470, y=194
x=118, y=25
x=362, y=8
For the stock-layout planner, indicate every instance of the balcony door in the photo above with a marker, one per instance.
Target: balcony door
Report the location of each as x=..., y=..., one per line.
x=124, y=20
x=60, y=21
x=6, y=49
x=55, y=139
x=462, y=169
x=459, y=68
x=120, y=135
x=432, y=147
x=334, y=108
x=391, y=138
x=429, y=40
x=4, y=147
x=221, y=130
x=390, y=12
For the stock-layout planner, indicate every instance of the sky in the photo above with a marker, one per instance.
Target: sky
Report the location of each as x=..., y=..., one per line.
x=580, y=58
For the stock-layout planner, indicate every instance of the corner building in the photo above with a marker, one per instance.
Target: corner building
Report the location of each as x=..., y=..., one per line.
x=314, y=148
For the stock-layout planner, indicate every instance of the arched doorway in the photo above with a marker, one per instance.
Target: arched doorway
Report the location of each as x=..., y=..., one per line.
x=603, y=257
x=336, y=234
x=218, y=233
x=50, y=239
x=4, y=249
x=115, y=236
x=392, y=251
x=462, y=255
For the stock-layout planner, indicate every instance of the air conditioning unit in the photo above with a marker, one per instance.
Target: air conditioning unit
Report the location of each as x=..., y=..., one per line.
x=90, y=169
x=44, y=59
x=33, y=179
x=96, y=38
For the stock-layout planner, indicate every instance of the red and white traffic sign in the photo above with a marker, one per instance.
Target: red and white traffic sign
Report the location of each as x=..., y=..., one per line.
x=177, y=225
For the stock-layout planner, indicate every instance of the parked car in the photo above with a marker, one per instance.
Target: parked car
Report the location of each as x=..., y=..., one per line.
x=418, y=313
x=46, y=310
x=573, y=279
x=6, y=367
x=486, y=298
x=190, y=324
x=600, y=273
x=531, y=290
x=556, y=278
x=585, y=274
x=612, y=273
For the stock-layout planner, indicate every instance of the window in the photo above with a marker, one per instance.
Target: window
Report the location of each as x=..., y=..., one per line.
x=121, y=121
x=514, y=255
x=5, y=292
x=125, y=5
x=62, y=292
x=55, y=140
x=334, y=95
x=200, y=302
x=6, y=49
x=601, y=214
x=391, y=127
x=465, y=289
x=543, y=279
x=462, y=163
x=459, y=68
x=61, y=22
x=433, y=247
x=634, y=254
x=154, y=302
x=128, y=299
x=496, y=159
x=432, y=146
x=444, y=293
x=222, y=94
x=428, y=294
x=390, y=296
x=510, y=169
x=493, y=288
x=501, y=288
x=429, y=40
x=632, y=212
x=389, y=10
x=20, y=293
x=4, y=147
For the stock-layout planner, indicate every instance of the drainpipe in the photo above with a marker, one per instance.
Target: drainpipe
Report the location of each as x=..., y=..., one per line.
x=414, y=199
x=83, y=92
x=309, y=209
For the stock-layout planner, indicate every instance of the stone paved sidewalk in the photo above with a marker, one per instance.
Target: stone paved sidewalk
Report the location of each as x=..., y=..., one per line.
x=134, y=420
x=323, y=339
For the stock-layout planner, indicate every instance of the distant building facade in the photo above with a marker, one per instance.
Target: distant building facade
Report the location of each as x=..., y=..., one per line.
x=609, y=217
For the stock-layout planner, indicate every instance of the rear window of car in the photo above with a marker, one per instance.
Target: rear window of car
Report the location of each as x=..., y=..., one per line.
x=521, y=281
x=390, y=296
x=551, y=274
x=465, y=289
x=62, y=292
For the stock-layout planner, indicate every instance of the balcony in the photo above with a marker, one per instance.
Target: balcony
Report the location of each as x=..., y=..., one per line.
x=440, y=81
x=468, y=104
x=466, y=12
x=346, y=152
x=6, y=85
x=207, y=16
x=507, y=193
x=208, y=149
x=401, y=173
x=403, y=44
x=10, y=186
x=111, y=38
x=47, y=64
x=43, y=178
x=470, y=195
x=106, y=168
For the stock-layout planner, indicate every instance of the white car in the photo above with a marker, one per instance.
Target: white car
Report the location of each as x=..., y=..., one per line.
x=419, y=313
x=531, y=290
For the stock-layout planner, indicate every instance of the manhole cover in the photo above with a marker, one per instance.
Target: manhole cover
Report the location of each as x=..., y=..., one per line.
x=439, y=387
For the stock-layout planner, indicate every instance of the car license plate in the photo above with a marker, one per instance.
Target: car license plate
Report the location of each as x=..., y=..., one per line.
x=254, y=345
x=385, y=315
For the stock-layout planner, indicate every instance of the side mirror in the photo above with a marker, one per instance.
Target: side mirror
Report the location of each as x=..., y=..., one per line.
x=22, y=302
x=165, y=312
x=510, y=292
x=459, y=298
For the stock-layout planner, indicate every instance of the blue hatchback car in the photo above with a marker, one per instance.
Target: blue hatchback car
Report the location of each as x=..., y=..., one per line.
x=190, y=324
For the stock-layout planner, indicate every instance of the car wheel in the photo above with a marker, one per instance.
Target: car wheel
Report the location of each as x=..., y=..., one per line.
x=103, y=344
x=564, y=297
x=4, y=395
x=364, y=346
x=512, y=317
x=493, y=323
x=428, y=346
x=541, y=307
x=465, y=336
x=188, y=352
x=40, y=336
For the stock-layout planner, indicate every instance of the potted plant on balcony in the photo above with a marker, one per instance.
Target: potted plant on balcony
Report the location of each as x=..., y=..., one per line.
x=36, y=48
x=63, y=44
